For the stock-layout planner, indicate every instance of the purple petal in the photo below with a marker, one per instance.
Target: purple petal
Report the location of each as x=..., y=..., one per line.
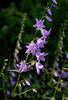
x=55, y=6
x=55, y=2
x=48, y=18
x=49, y=12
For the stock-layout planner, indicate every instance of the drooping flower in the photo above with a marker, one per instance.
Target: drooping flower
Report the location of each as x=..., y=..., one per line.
x=56, y=74
x=12, y=82
x=63, y=84
x=45, y=33
x=33, y=48
x=27, y=82
x=38, y=67
x=64, y=74
x=67, y=55
x=55, y=6
x=13, y=74
x=55, y=2
x=49, y=12
x=54, y=80
x=8, y=68
x=41, y=42
x=8, y=92
x=49, y=18
x=23, y=66
x=41, y=56
x=39, y=24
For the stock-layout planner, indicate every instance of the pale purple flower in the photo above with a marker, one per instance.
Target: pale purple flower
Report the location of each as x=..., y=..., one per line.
x=54, y=80
x=8, y=92
x=45, y=33
x=38, y=95
x=41, y=42
x=41, y=56
x=56, y=74
x=49, y=12
x=8, y=68
x=49, y=18
x=39, y=24
x=23, y=66
x=13, y=74
x=12, y=82
x=55, y=6
x=38, y=67
x=28, y=83
x=57, y=65
x=55, y=2
x=64, y=74
x=63, y=84
x=33, y=48
x=67, y=55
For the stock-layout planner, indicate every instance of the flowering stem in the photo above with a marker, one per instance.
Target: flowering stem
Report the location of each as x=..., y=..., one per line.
x=16, y=83
x=25, y=92
x=56, y=88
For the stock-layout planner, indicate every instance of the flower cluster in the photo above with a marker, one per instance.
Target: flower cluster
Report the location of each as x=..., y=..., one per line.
x=35, y=48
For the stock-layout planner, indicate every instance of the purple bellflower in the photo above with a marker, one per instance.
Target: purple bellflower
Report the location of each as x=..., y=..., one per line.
x=8, y=92
x=49, y=12
x=41, y=42
x=67, y=55
x=55, y=6
x=13, y=74
x=55, y=2
x=64, y=74
x=23, y=66
x=56, y=74
x=49, y=18
x=38, y=67
x=63, y=84
x=39, y=24
x=41, y=56
x=45, y=33
x=33, y=48
x=12, y=82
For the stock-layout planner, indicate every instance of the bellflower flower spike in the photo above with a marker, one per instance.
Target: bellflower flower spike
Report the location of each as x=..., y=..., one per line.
x=41, y=42
x=23, y=67
x=39, y=24
x=48, y=18
x=38, y=67
x=33, y=48
x=45, y=33
x=49, y=12
x=41, y=56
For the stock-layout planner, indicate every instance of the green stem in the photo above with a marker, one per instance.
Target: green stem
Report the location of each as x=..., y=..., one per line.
x=16, y=83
